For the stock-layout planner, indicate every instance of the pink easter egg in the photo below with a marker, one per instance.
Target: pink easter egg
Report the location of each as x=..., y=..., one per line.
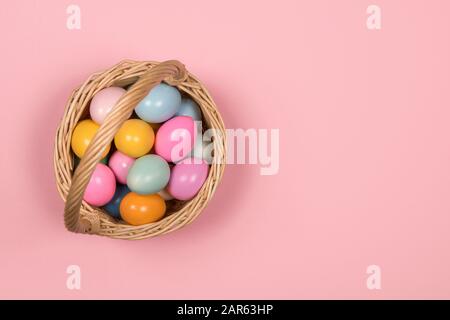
x=120, y=164
x=101, y=186
x=175, y=138
x=103, y=102
x=186, y=178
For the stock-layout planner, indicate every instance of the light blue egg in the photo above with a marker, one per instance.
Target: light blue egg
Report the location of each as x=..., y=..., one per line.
x=148, y=174
x=160, y=104
x=113, y=207
x=190, y=108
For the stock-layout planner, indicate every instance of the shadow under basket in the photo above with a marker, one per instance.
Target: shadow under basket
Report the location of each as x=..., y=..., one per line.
x=139, y=78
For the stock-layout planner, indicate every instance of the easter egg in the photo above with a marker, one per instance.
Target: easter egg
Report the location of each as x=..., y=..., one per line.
x=82, y=136
x=189, y=108
x=149, y=174
x=113, y=206
x=101, y=186
x=187, y=177
x=175, y=138
x=134, y=138
x=120, y=164
x=160, y=104
x=103, y=102
x=137, y=209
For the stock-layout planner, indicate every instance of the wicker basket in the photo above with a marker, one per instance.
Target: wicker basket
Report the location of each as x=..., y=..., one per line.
x=139, y=78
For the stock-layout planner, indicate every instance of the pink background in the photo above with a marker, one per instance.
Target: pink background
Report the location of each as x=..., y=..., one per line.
x=364, y=154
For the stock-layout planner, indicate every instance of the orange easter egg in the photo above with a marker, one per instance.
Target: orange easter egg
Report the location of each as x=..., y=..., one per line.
x=137, y=209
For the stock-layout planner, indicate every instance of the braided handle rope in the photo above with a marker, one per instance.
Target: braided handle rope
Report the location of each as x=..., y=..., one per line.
x=172, y=72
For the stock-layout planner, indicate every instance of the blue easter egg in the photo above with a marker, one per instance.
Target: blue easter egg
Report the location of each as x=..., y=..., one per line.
x=112, y=207
x=190, y=108
x=148, y=174
x=160, y=104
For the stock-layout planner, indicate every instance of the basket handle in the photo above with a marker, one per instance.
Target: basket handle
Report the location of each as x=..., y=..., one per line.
x=173, y=72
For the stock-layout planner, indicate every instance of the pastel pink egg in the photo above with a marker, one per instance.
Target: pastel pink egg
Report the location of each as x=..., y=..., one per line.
x=120, y=164
x=103, y=102
x=175, y=138
x=101, y=186
x=186, y=178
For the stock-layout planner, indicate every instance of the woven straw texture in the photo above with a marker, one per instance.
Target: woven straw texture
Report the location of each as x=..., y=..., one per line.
x=139, y=78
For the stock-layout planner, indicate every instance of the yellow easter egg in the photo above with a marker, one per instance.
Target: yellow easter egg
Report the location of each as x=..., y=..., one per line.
x=82, y=136
x=135, y=138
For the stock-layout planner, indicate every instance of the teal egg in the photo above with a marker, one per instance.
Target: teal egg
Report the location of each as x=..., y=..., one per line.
x=189, y=108
x=160, y=104
x=149, y=174
x=113, y=206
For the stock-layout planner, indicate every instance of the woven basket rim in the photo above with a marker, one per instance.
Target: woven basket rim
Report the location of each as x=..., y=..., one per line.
x=136, y=74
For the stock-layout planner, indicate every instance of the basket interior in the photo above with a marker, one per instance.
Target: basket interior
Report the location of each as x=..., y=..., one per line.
x=173, y=205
